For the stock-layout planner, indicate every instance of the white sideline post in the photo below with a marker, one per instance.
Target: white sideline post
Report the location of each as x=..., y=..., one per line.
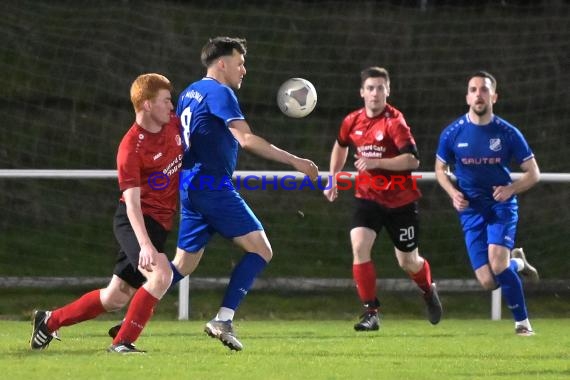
x=496, y=304
x=184, y=299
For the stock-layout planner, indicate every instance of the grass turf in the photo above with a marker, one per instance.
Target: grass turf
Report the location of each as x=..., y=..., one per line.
x=402, y=349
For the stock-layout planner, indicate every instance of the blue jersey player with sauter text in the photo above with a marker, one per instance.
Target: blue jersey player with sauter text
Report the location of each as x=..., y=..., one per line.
x=480, y=146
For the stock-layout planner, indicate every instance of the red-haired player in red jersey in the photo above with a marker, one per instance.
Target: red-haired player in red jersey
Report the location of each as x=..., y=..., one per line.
x=148, y=161
x=386, y=196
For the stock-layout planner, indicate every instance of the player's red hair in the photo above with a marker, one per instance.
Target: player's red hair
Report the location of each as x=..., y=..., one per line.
x=146, y=87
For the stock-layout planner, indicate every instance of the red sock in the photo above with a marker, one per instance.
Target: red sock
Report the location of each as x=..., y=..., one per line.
x=365, y=278
x=423, y=277
x=87, y=307
x=139, y=312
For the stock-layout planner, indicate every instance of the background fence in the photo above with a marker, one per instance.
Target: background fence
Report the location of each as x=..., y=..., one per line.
x=67, y=67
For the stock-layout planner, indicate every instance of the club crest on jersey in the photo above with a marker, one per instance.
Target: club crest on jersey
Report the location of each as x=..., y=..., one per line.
x=178, y=140
x=379, y=136
x=495, y=145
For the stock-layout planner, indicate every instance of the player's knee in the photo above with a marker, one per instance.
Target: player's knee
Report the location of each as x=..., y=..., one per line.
x=266, y=253
x=166, y=279
x=409, y=261
x=116, y=295
x=361, y=251
x=114, y=301
x=406, y=265
x=410, y=266
x=488, y=284
x=160, y=279
x=358, y=245
x=359, y=255
x=114, y=306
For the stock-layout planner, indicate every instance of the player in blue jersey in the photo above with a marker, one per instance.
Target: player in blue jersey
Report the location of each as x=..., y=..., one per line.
x=480, y=146
x=213, y=128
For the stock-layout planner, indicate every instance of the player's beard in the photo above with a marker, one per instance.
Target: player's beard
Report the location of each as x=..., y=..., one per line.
x=480, y=112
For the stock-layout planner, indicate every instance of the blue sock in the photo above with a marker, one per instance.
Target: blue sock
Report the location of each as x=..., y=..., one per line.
x=512, y=290
x=176, y=276
x=242, y=279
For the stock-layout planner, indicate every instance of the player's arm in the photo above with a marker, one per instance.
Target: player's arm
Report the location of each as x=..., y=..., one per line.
x=457, y=198
x=339, y=155
x=530, y=176
x=261, y=147
x=147, y=256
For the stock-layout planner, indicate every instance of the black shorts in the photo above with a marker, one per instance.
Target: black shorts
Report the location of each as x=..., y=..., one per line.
x=402, y=223
x=128, y=256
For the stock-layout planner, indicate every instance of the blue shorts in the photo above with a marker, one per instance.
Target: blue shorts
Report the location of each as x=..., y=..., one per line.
x=496, y=225
x=205, y=212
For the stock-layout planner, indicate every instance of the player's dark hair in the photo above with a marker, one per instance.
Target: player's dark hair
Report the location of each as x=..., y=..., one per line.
x=221, y=46
x=485, y=74
x=374, y=72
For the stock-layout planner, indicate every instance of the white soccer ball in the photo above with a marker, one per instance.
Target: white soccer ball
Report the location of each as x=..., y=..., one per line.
x=297, y=97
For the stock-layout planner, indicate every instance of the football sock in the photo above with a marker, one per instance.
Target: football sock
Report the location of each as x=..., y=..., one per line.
x=512, y=290
x=86, y=307
x=365, y=278
x=519, y=264
x=225, y=314
x=372, y=306
x=243, y=276
x=176, y=276
x=139, y=312
x=423, y=277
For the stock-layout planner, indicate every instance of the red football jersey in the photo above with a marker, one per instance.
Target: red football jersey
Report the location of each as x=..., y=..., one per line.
x=151, y=161
x=382, y=136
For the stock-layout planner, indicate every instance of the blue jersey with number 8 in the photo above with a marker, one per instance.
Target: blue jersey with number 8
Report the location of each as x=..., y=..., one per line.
x=205, y=108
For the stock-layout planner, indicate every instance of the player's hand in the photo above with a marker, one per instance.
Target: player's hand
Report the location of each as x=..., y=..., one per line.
x=502, y=193
x=306, y=166
x=363, y=163
x=331, y=191
x=459, y=201
x=147, y=257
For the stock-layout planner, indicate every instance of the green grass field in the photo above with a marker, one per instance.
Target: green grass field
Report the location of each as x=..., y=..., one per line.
x=402, y=349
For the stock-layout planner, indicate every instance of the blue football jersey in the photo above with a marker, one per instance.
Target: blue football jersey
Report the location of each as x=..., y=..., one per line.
x=205, y=108
x=480, y=155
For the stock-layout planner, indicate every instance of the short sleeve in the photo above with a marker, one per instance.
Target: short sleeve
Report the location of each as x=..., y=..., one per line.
x=401, y=134
x=444, y=152
x=343, y=137
x=520, y=148
x=128, y=167
x=224, y=104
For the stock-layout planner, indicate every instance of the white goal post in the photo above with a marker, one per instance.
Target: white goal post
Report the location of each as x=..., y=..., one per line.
x=184, y=288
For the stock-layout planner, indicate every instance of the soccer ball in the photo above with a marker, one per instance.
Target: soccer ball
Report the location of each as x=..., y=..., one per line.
x=297, y=97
